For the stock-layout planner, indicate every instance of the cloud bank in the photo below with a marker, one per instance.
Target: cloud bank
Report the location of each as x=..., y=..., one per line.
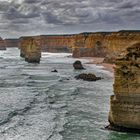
x=31, y=17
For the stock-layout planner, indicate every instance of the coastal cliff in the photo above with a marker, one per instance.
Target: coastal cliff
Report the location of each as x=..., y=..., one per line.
x=104, y=44
x=101, y=44
x=52, y=43
x=2, y=44
x=30, y=49
x=9, y=43
x=89, y=45
x=56, y=43
x=125, y=103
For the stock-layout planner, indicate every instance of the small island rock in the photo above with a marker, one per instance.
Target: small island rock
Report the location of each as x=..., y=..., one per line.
x=78, y=65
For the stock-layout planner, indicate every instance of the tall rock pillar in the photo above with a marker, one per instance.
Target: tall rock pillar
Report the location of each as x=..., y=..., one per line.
x=124, y=112
x=30, y=50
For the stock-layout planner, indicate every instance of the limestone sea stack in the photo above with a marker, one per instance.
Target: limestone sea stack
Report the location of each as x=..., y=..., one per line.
x=124, y=112
x=2, y=44
x=30, y=50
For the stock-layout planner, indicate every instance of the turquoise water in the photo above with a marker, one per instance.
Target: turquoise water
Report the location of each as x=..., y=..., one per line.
x=37, y=104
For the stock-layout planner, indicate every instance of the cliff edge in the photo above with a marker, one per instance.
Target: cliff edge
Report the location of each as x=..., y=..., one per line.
x=124, y=112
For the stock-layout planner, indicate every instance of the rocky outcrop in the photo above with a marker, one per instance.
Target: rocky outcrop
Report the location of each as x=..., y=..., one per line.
x=101, y=44
x=104, y=44
x=30, y=49
x=89, y=45
x=125, y=103
x=2, y=44
x=56, y=43
x=78, y=65
x=9, y=43
x=88, y=77
x=54, y=70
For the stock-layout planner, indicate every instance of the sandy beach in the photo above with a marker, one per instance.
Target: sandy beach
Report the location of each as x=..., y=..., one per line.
x=99, y=61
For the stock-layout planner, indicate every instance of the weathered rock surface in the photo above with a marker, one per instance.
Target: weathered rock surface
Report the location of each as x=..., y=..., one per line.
x=9, y=43
x=125, y=103
x=100, y=44
x=88, y=77
x=56, y=43
x=30, y=50
x=78, y=65
x=104, y=44
x=2, y=44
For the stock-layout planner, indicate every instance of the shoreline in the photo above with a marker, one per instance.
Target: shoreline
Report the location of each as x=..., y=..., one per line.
x=99, y=62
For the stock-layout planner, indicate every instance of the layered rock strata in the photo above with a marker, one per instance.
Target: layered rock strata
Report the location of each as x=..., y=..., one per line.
x=124, y=112
x=56, y=43
x=101, y=44
x=104, y=44
x=2, y=44
x=30, y=50
x=9, y=43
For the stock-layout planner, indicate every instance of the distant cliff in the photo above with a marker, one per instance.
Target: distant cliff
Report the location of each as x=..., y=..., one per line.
x=53, y=43
x=11, y=43
x=100, y=44
x=2, y=44
x=56, y=43
x=104, y=44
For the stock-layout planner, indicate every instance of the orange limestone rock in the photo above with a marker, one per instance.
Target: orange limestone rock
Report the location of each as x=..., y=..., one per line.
x=30, y=50
x=11, y=43
x=56, y=43
x=2, y=44
x=89, y=45
x=104, y=44
x=124, y=112
x=52, y=43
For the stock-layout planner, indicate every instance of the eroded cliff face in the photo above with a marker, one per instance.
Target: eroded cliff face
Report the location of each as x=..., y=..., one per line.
x=125, y=103
x=30, y=49
x=104, y=44
x=2, y=44
x=89, y=45
x=56, y=43
x=52, y=43
x=9, y=43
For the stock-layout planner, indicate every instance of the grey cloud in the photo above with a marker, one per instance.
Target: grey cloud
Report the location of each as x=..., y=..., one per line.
x=56, y=15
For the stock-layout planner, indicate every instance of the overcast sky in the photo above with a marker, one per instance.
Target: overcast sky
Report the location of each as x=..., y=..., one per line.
x=32, y=17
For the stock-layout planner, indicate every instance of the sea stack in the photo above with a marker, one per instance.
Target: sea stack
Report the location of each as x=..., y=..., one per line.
x=124, y=112
x=2, y=44
x=30, y=50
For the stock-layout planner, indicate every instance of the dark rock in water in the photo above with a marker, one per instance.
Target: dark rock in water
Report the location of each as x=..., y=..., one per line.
x=64, y=79
x=32, y=60
x=88, y=77
x=122, y=129
x=78, y=65
x=54, y=70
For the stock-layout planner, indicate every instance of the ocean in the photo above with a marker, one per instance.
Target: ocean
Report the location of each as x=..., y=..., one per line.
x=37, y=104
